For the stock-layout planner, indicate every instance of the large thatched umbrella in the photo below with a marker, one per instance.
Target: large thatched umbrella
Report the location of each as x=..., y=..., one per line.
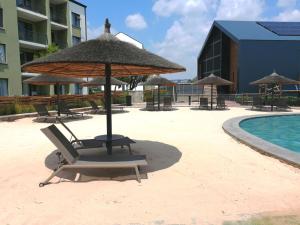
x=213, y=80
x=158, y=81
x=105, y=56
x=273, y=80
x=45, y=79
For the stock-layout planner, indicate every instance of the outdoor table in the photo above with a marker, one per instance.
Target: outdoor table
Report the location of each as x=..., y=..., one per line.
x=104, y=137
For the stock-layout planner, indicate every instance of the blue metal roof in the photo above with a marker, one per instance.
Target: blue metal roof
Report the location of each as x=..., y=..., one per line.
x=252, y=30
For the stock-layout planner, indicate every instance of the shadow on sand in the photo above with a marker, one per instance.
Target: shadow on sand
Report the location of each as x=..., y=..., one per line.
x=156, y=110
x=159, y=156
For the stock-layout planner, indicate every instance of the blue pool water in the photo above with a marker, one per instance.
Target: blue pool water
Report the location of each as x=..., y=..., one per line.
x=280, y=130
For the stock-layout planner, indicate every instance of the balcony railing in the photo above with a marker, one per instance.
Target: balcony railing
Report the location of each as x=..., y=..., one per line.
x=28, y=35
x=29, y=6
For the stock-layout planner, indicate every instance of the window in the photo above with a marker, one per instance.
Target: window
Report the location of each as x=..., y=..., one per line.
x=75, y=20
x=24, y=4
x=25, y=31
x=76, y=40
x=3, y=87
x=2, y=54
x=1, y=18
x=26, y=57
x=78, y=89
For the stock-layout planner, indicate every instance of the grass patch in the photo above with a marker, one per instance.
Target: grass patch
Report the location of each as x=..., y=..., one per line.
x=268, y=220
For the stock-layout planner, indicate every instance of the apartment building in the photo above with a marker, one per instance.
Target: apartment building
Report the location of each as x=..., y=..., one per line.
x=27, y=29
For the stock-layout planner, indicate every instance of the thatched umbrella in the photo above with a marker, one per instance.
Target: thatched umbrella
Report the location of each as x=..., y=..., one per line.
x=45, y=79
x=158, y=81
x=105, y=56
x=213, y=80
x=99, y=81
x=273, y=80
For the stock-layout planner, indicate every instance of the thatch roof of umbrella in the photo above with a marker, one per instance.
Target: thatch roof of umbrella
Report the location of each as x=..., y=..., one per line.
x=101, y=81
x=274, y=78
x=213, y=80
x=45, y=79
x=88, y=59
x=158, y=80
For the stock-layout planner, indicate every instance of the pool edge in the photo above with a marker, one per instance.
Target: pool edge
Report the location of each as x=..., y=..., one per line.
x=232, y=128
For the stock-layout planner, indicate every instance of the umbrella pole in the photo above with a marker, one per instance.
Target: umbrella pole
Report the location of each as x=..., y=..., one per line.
x=107, y=93
x=158, y=95
x=272, y=105
x=211, y=96
x=58, y=99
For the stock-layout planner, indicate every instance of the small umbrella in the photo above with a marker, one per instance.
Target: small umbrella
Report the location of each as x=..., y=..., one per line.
x=158, y=81
x=274, y=79
x=104, y=56
x=213, y=80
x=99, y=81
x=45, y=79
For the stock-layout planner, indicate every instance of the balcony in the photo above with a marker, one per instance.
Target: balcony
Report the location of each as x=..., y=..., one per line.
x=58, y=24
x=30, y=12
x=32, y=40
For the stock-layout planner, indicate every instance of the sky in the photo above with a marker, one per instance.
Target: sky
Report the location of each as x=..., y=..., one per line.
x=177, y=29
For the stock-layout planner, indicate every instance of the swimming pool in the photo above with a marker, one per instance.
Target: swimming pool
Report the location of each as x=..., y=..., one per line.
x=279, y=130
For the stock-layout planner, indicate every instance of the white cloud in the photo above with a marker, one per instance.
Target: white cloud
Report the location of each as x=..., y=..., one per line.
x=289, y=15
x=286, y=3
x=185, y=37
x=240, y=9
x=182, y=7
x=136, y=21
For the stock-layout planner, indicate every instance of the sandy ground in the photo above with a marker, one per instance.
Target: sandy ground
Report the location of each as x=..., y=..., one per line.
x=197, y=174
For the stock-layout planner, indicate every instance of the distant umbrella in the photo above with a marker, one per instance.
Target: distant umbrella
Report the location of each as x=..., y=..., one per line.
x=213, y=80
x=45, y=79
x=156, y=80
x=99, y=81
x=274, y=79
x=105, y=56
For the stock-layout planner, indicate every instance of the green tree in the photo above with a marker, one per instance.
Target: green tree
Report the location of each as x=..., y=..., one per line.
x=52, y=48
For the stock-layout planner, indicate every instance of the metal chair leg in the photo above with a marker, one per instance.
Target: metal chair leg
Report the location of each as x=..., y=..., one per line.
x=137, y=172
x=42, y=184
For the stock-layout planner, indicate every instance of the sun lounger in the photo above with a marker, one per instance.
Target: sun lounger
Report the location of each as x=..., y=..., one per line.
x=95, y=107
x=74, y=161
x=42, y=112
x=257, y=103
x=167, y=103
x=221, y=103
x=203, y=103
x=64, y=109
x=93, y=143
x=150, y=106
x=281, y=104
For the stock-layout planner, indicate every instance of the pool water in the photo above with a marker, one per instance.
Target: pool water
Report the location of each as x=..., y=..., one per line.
x=280, y=130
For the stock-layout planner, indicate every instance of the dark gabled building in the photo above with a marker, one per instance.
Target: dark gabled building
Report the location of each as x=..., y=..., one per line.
x=244, y=51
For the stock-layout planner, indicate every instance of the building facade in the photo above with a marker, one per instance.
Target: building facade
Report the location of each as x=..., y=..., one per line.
x=27, y=29
x=244, y=51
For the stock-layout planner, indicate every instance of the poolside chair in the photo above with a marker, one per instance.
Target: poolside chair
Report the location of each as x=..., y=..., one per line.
x=257, y=103
x=203, y=103
x=42, y=112
x=93, y=143
x=281, y=104
x=64, y=109
x=167, y=103
x=221, y=103
x=95, y=107
x=150, y=106
x=75, y=161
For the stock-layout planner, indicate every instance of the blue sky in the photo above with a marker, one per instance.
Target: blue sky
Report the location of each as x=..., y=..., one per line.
x=176, y=29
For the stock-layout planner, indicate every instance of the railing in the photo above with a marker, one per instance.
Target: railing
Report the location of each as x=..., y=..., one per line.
x=58, y=19
x=31, y=36
x=29, y=6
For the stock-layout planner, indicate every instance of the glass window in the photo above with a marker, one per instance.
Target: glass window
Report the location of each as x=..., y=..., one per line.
x=3, y=87
x=24, y=4
x=78, y=89
x=2, y=53
x=26, y=57
x=75, y=20
x=76, y=40
x=1, y=17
